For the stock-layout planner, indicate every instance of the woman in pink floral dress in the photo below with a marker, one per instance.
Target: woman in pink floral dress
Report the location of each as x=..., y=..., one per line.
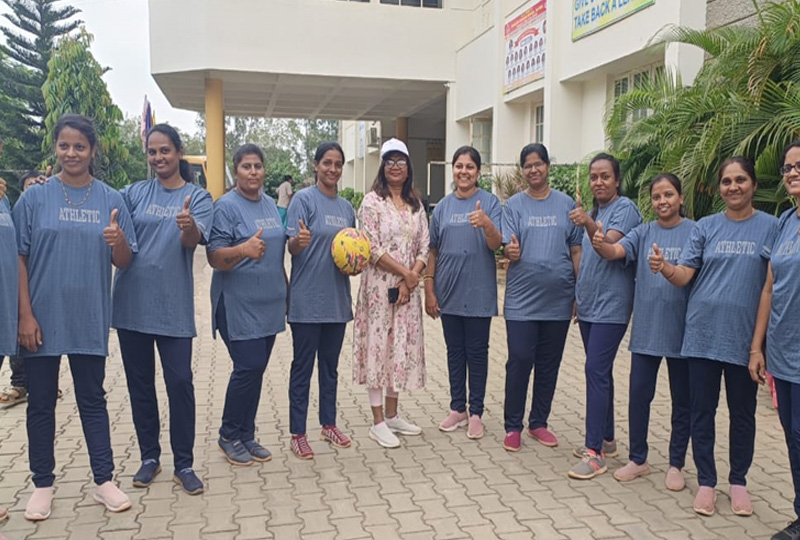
x=389, y=351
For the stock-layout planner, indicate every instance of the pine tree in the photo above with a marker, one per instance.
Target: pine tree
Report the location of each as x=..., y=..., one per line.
x=35, y=25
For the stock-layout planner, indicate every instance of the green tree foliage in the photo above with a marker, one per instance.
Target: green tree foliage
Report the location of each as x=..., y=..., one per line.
x=745, y=101
x=130, y=138
x=75, y=85
x=34, y=26
x=355, y=198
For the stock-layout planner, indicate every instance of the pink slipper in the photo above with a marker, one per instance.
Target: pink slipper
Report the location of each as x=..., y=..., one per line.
x=39, y=505
x=475, y=428
x=674, y=480
x=705, y=500
x=110, y=496
x=740, y=501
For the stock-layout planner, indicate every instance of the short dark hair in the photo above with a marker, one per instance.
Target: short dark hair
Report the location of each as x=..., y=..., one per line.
x=248, y=149
x=287, y=177
x=602, y=156
x=474, y=155
x=26, y=176
x=744, y=163
x=793, y=144
x=674, y=181
x=534, y=148
x=81, y=124
x=172, y=134
x=78, y=123
x=325, y=147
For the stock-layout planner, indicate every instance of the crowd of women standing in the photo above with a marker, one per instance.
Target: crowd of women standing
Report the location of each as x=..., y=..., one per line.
x=728, y=285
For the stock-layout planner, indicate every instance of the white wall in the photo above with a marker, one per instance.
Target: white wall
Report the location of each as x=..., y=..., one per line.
x=321, y=37
x=476, y=73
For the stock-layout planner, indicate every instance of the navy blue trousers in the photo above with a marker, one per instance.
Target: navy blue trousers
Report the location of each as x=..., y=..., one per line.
x=644, y=375
x=467, y=340
x=705, y=376
x=250, y=358
x=88, y=374
x=310, y=341
x=600, y=341
x=537, y=346
x=17, y=366
x=139, y=360
x=789, y=413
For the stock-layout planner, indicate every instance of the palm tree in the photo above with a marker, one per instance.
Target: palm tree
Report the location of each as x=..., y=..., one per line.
x=745, y=101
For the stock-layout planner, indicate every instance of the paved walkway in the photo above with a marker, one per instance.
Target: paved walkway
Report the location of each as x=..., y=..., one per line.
x=438, y=485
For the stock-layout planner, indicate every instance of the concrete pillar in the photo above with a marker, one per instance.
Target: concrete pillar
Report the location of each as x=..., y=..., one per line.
x=215, y=137
x=401, y=128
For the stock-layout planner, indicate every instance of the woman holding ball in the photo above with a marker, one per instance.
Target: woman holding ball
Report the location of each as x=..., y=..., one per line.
x=319, y=297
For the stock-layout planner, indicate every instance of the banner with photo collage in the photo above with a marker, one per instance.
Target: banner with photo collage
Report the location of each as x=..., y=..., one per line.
x=525, y=44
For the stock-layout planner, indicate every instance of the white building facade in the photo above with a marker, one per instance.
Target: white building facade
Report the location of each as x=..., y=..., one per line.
x=496, y=74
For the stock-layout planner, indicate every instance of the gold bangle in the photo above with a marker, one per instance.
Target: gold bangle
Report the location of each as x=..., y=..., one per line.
x=242, y=248
x=427, y=276
x=755, y=352
x=669, y=277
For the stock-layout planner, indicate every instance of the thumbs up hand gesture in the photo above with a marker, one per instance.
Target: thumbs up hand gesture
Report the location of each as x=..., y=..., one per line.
x=478, y=218
x=255, y=247
x=656, y=260
x=184, y=218
x=113, y=234
x=303, y=235
x=578, y=215
x=512, y=250
x=599, y=238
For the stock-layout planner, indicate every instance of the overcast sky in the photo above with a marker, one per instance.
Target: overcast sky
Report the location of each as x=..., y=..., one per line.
x=121, y=42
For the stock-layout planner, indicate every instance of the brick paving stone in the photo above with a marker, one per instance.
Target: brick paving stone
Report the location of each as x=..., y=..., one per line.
x=118, y=535
x=437, y=485
x=411, y=522
x=350, y=527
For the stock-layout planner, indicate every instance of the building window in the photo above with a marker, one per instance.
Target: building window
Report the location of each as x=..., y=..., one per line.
x=538, y=125
x=481, y=139
x=636, y=79
x=416, y=3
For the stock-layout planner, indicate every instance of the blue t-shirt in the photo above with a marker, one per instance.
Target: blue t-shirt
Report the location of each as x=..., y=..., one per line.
x=541, y=285
x=466, y=271
x=659, y=308
x=731, y=258
x=9, y=281
x=255, y=291
x=155, y=294
x=69, y=263
x=783, y=354
x=318, y=291
x=605, y=288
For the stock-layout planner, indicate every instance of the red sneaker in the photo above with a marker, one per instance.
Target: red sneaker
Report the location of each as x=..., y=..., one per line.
x=333, y=435
x=301, y=448
x=543, y=436
x=513, y=441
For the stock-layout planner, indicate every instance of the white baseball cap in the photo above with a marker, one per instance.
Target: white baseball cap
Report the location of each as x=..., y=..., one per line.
x=394, y=145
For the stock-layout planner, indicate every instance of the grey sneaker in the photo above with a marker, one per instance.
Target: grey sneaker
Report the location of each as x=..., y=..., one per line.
x=235, y=452
x=609, y=450
x=257, y=452
x=398, y=425
x=589, y=466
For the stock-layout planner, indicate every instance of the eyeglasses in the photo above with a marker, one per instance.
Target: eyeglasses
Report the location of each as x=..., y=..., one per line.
x=400, y=163
x=786, y=169
x=529, y=166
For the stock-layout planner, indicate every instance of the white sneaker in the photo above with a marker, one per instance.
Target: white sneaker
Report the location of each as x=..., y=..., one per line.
x=398, y=425
x=383, y=436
